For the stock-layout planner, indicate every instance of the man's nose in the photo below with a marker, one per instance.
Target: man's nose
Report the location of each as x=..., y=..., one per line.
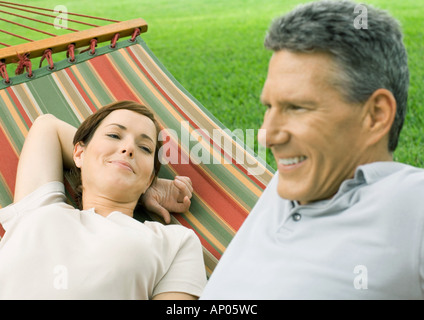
x=273, y=130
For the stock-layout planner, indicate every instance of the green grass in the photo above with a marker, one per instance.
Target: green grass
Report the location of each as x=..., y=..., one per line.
x=215, y=50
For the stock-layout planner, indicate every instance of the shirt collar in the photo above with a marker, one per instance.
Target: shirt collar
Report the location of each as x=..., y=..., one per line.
x=364, y=174
x=375, y=171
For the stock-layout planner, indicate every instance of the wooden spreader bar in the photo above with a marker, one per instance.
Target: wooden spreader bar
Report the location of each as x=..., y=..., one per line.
x=79, y=39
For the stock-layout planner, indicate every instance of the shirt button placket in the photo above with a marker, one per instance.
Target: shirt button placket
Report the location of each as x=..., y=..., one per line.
x=286, y=230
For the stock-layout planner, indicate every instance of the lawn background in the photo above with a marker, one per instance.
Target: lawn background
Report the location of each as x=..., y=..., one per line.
x=215, y=50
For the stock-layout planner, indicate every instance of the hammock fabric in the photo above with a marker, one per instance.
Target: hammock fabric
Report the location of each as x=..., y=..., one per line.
x=72, y=89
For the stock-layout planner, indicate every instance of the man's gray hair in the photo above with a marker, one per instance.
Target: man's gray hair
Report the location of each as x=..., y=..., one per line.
x=370, y=55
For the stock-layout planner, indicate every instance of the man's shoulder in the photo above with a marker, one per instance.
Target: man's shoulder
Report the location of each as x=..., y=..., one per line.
x=396, y=171
x=409, y=174
x=398, y=182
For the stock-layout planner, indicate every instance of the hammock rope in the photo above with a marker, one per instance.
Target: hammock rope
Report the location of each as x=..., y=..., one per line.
x=3, y=72
x=70, y=53
x=46, y=15
x=48, y=56
x=28, y=27
x=135, y=34
x=17, y=7
x=114, y=40
x=22, y=58
x=39, y=21
x=24, y=63
x=92, y=48
x=20, y=7
x=16, y=35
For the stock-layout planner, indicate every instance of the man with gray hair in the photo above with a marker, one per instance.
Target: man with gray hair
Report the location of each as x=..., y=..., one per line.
x=340, y=219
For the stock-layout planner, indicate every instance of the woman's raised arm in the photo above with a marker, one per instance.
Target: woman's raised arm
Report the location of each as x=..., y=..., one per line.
x=47, y=149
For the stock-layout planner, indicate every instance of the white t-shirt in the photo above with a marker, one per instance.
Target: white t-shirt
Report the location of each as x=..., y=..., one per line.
x=53, y=251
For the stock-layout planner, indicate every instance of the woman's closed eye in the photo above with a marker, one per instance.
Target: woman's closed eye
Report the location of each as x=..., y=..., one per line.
x=113, y=136
x=146, y=149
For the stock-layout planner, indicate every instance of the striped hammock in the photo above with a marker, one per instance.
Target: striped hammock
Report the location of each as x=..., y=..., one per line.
x=225, y=189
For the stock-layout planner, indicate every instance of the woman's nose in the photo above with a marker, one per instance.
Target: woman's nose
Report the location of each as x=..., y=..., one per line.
x=127, y=152
x=127, y=148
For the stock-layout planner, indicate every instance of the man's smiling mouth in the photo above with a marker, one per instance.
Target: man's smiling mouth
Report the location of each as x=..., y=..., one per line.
x=291, y=161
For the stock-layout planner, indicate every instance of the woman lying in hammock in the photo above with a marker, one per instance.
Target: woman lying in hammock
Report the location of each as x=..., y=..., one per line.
x=53, y=251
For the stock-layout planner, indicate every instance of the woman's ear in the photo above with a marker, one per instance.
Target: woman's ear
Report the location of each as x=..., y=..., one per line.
x=78, y=154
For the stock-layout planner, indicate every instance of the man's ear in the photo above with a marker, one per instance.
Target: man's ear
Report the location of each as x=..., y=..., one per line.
x=78, y=154
x=380, y=112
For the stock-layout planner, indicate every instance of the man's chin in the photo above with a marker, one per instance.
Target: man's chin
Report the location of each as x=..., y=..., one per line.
x=287, y=193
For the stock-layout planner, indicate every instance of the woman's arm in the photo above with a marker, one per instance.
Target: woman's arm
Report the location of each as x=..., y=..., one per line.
x=47, y=149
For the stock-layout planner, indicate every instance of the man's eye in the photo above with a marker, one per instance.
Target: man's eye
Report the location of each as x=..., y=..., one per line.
x=294, y=107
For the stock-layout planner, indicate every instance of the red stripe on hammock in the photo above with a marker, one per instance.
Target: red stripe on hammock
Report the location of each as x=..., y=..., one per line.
x=80, y=90
x=112, y=79
x=204, y=243
x=214, y=196
x=18, y=105
x=9, y=161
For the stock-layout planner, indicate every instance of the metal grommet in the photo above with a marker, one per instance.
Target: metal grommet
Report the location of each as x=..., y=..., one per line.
x=296, y=216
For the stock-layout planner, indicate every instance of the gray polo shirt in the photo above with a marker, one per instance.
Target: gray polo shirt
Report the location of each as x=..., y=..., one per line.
x=364, y=243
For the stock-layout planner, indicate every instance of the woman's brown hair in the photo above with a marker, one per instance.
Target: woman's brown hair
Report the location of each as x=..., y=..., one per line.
x=87, y=129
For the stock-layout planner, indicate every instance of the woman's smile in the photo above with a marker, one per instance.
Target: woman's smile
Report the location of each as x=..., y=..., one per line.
x=122, y=164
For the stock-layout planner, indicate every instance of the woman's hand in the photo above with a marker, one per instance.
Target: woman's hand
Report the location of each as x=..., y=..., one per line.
x=166, y=196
